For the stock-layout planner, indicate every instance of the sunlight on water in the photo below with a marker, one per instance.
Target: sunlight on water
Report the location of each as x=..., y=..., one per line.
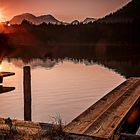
x=58, y=88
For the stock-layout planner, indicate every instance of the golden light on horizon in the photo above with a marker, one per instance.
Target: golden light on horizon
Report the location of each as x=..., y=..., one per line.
x=1, y=16
x=4, y=66
x=0, y=67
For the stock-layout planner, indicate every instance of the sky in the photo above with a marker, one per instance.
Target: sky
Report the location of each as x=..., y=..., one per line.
x=63, y=10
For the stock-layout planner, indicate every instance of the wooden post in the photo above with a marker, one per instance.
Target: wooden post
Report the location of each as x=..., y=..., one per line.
x=1, y=79
x=27, y=93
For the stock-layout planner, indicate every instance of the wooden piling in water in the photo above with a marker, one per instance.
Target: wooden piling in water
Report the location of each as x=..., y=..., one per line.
x=1, y=79
x=27, y=93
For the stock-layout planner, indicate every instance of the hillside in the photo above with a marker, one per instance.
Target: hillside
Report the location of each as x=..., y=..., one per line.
x=128, y=13
x=33, y=19
x=118, y=29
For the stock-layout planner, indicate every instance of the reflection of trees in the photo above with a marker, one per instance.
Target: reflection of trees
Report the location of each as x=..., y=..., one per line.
x=122, y=58
x=34, y=62
x=127, y=67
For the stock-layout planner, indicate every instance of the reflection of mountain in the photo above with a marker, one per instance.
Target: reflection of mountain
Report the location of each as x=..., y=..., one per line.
x=123, y=58
x=126, y=67
x=113, y=45
x=35, y=63
x=33, y=19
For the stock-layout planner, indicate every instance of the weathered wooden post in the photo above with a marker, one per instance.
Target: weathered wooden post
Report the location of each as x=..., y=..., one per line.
x=1, y=79
x=27, y=93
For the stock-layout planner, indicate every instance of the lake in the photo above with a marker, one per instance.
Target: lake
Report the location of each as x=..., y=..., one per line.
x=59, y=87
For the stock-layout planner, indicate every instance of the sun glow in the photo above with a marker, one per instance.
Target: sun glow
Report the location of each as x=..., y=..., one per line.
x=1, y=16
x=4, y=66
x=0, y=67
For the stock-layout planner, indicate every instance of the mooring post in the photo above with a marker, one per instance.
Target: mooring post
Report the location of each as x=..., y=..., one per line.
x=1, y=79
x=27, y=93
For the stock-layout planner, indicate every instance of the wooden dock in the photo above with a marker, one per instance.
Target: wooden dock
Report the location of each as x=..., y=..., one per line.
x=103, y=118
x=5, y=74
x=5, y=89
x=25, y=126
x=102, y=121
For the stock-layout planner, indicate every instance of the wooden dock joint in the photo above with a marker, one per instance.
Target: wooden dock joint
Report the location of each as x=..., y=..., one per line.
x=5, y=89
x=5, y=74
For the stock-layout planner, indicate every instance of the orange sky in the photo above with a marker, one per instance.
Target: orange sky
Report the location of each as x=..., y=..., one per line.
x=66, y=10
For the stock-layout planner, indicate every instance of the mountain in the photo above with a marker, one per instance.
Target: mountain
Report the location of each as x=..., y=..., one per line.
x=33, y=19
x=86, y=21
x=129, y=13
x=89, y=20
x=75, y=22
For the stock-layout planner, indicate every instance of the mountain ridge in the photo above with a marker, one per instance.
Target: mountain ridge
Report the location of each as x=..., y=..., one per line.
x=34, y=19
x=45, y=19
x=127, y=13
x=89, y=20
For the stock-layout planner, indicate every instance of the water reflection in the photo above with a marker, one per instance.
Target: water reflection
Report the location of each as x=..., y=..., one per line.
x=125, y=68
x=67, y=88
x=123, y=58
x=34, y=63
x=48, y=63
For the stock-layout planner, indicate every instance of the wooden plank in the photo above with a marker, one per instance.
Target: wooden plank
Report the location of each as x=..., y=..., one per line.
x=1, y=79
x=102, y=118
x=5, y=74
x=30, y=128
x=6, y=89
x=129, y=137
x=37, y=129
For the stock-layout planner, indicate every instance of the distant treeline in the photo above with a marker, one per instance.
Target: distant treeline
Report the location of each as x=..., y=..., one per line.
x=91, y=33
x=5, y=47
x=116, y=45
x=93, y=40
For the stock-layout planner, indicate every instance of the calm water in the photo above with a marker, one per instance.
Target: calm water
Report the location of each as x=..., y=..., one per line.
x=58, y=88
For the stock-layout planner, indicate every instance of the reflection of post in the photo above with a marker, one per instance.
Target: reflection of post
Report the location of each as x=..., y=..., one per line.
x=27, y=93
